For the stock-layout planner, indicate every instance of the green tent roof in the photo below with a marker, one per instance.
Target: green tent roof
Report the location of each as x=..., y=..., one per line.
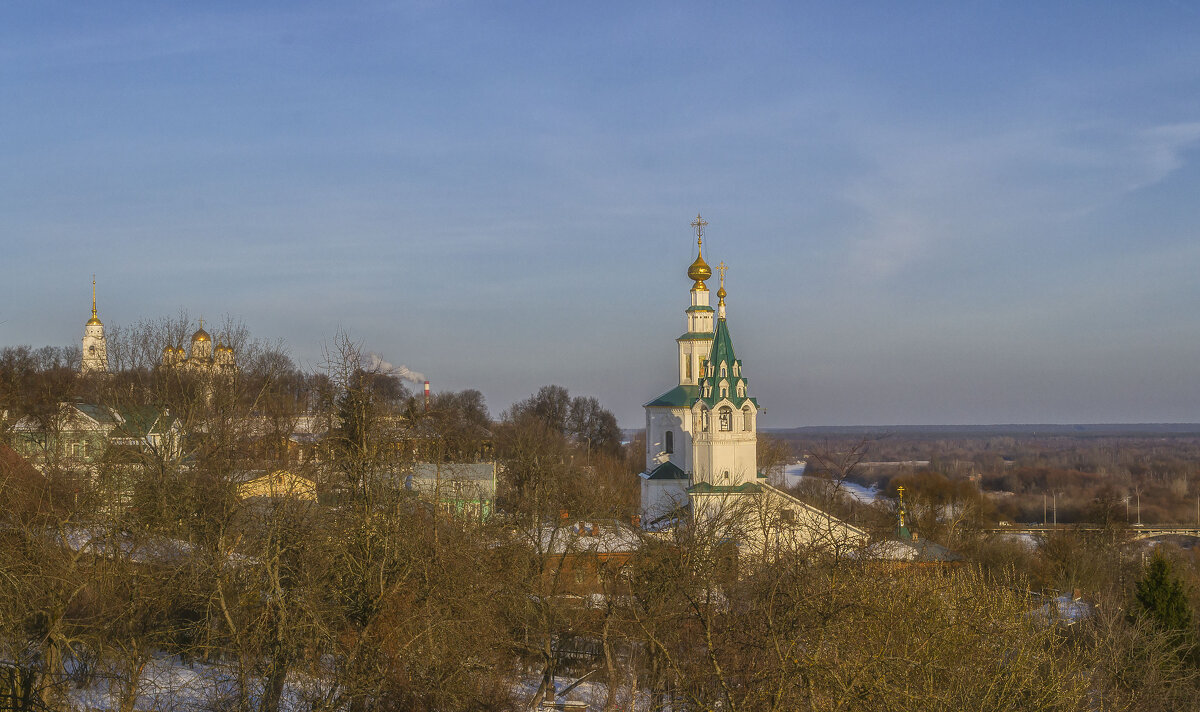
x=722, y=355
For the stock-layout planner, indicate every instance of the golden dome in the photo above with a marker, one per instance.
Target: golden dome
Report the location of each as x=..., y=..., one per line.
x=699, y=270
x=94, y=321
x=200, y=335
x=721, y=294
x=168, y=349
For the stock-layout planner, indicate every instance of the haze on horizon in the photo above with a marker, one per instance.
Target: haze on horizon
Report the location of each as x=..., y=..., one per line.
x=955, y=213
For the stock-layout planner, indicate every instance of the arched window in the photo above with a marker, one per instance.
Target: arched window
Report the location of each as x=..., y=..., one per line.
x=724, y=370
x=724, y=389
x=747, y=419
x=687, y=367
x=669, y=442
x=741, y=389
x=704, y=419
x=726, y=417
x=737, y=368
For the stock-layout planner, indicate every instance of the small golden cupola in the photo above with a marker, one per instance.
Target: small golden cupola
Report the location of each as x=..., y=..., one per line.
x=699, y=270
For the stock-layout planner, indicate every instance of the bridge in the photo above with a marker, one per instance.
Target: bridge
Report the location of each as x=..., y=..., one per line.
x=1145, y=531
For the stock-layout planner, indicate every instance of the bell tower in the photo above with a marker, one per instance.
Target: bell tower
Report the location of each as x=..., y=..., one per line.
x=695, y=343
x=95, y=348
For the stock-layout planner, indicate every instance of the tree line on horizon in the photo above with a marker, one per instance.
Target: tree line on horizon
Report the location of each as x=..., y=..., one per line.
x=375, y=599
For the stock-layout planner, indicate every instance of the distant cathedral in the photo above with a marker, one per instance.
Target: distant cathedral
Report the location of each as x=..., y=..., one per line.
x=95, y=348
x=203, y=359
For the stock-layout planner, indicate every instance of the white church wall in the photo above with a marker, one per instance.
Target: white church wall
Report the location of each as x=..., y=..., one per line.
x=659, y=421
x=660, y=497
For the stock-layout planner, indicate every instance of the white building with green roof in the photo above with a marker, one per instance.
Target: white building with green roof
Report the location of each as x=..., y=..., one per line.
x=702, y=436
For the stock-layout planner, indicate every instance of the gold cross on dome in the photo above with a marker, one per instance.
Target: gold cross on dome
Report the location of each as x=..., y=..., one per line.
x=202, y=323
x=722, y=268
x=699, y=224
x=900, y=490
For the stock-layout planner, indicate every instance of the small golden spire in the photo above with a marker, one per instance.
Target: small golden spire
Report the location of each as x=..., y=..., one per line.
x=900, y=491
x=95, y=320
x=722, y=268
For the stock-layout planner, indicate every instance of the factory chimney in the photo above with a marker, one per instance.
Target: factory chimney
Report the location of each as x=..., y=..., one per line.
x=426, y=396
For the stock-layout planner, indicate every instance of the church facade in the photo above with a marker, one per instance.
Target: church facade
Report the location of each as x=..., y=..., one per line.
x=702, y=437
x=202, y=359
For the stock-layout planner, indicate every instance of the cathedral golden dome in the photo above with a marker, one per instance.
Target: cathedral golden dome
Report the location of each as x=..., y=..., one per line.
x=94, y=321
x=200, y=335
x=699, y=270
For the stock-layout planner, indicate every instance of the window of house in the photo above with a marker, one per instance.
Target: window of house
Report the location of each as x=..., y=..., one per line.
x=669, y=442
x=726, y=418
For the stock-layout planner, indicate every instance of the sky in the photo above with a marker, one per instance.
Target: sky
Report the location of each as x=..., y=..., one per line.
x=932, y=212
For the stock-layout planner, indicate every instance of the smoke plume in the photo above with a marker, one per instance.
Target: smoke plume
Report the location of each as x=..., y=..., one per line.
x=403, y=372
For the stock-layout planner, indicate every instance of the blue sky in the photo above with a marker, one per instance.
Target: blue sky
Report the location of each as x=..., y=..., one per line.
x=932, y=212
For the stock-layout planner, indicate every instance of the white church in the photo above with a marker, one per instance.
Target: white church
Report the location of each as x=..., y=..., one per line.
x=701, y=438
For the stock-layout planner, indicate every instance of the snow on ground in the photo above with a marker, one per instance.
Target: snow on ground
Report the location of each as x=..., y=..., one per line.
x=169, y=684
x=592, y=694
x=794, y=474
